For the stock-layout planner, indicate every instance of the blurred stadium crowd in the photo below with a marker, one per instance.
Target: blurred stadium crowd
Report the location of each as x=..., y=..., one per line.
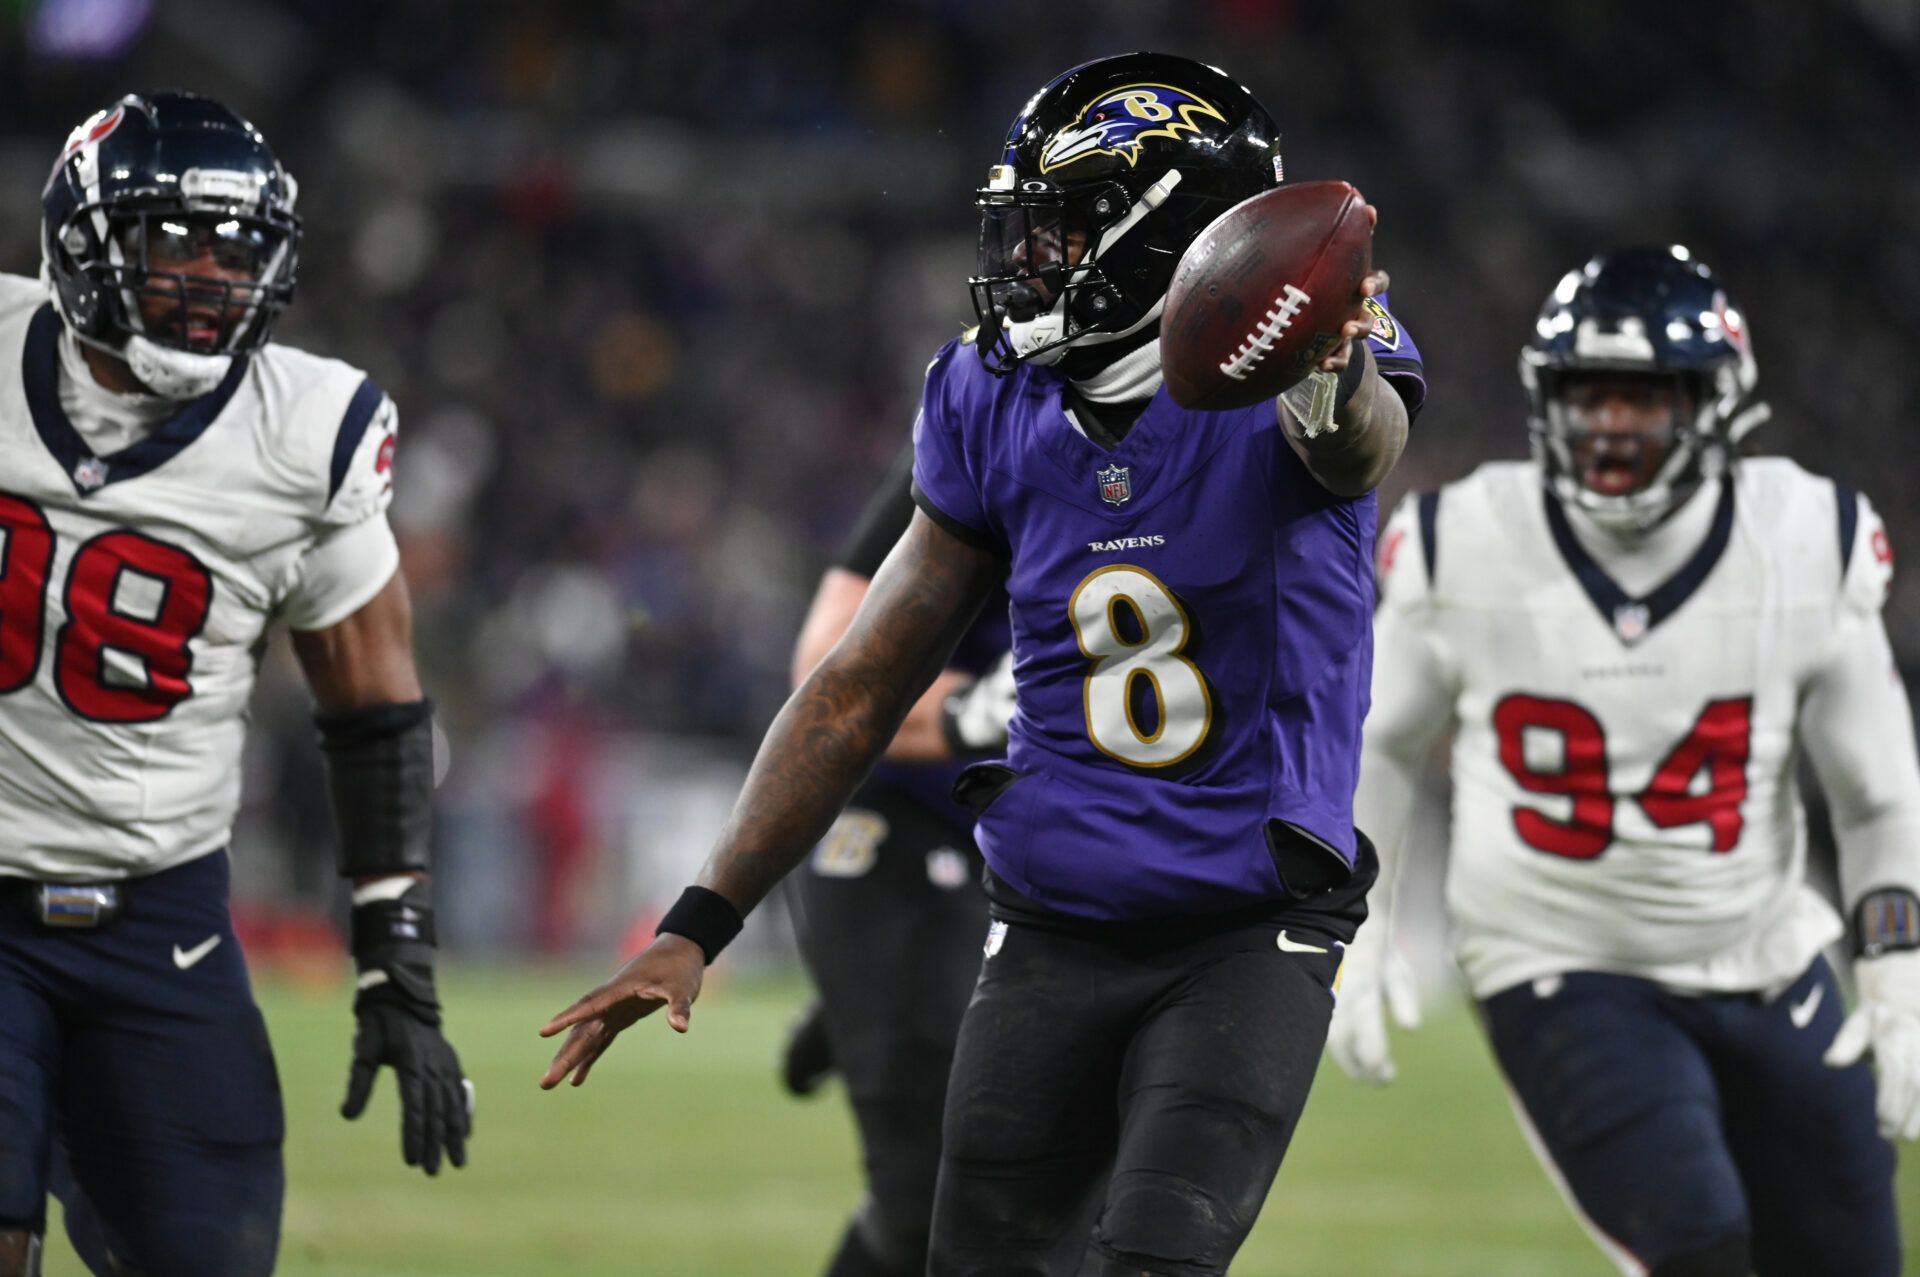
x=653, y=283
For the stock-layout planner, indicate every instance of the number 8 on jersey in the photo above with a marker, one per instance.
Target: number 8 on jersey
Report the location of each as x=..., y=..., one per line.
x=1133, y=629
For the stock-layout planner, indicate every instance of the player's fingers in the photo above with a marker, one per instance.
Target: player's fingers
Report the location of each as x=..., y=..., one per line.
x=469, y=1102
x=1359, y=1040
x=1403, y=994
x=1375, y=283
x=1851, y=1042
x=586, y=1065
x=680, y=1010
x=585, y=1009
x=1898, y=1085
x=1899, y=1106
x=455, y=1122
x=1372, y=1053
x=1908, y=1126
x=433, y=1126
x=359, y=1087
x=575, y=1049
x=1341, y=352
x=413, y=1117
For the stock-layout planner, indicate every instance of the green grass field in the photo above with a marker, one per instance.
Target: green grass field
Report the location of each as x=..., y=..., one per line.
x=682, y=1157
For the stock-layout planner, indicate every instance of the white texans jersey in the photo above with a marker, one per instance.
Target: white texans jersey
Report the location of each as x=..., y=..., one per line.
x=136, y=589
x=1623, y=758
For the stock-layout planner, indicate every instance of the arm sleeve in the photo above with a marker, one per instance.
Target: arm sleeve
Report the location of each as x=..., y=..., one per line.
x=1857, y=728
x=885, y=517
x=1413, y=697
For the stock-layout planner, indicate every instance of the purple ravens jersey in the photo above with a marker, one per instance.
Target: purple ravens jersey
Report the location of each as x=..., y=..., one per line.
x=1191, y=615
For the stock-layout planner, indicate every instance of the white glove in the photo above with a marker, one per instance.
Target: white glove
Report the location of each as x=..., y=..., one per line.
x=974, y=719
x=1374, y=971
x=1887, y=1019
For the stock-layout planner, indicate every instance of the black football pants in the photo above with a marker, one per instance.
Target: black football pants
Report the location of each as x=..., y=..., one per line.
x=1145, y=1081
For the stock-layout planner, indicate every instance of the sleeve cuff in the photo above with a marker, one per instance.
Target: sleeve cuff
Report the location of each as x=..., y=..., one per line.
x=971, y=535
x=1408, y=379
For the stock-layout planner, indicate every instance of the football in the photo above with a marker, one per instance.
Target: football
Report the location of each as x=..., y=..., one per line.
x=1259, y=298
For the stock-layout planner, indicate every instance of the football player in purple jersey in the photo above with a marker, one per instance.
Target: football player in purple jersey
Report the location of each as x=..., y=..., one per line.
x=1172, y=867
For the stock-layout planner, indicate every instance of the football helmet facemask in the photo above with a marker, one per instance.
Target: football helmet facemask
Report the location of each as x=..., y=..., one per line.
x=168, y=237
x=1654, y=325
x=1109, y=172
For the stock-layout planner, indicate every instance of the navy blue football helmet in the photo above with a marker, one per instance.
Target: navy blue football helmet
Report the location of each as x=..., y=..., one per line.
x=1658, y=312
x=1109, y=172
x=144, y=187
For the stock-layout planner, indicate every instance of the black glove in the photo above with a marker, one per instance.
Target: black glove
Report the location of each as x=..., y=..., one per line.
x=397, y=1023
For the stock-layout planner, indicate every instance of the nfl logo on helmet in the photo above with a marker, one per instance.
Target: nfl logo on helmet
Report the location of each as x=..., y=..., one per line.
x=1116, y=487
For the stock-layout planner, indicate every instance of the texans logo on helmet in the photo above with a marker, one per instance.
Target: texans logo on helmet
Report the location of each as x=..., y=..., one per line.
x=1117, y=122
x=93, y=131
x=1730, y=321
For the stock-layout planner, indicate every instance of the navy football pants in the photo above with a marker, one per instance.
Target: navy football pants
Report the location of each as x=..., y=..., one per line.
x=890, y=925
x=1678, y=1123
x=138, y=1049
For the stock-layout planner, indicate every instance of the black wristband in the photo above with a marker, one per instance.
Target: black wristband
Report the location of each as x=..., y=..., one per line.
x=1886, y=921
x=705, y=917
x=381, y=923
x=1352, y=375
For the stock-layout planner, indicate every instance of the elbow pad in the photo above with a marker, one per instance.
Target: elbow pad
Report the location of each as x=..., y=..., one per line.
x=380, y=774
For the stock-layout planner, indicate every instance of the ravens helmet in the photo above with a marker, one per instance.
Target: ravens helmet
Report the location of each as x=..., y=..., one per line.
x=1109, y=172
x=1653, y=313
x=168, y=237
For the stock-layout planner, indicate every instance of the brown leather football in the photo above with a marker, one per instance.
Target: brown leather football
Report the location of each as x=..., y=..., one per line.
x=1259, y=298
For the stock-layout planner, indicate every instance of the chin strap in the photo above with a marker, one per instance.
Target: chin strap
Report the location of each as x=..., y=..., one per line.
x=175, y=374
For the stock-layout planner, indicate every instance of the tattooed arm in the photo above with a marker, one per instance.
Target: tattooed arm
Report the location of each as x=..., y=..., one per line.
x=816, y=753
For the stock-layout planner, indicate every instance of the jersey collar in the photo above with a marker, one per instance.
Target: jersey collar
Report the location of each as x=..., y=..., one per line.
x=40, y=372
x=1634, y=618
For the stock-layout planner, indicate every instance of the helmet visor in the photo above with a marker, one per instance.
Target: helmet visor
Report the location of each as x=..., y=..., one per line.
x=1026, y=252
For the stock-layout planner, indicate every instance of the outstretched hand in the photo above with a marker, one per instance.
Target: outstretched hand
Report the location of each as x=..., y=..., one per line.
x=666, y=973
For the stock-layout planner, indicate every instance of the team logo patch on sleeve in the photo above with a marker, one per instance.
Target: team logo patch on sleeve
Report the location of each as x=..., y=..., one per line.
x=1118, y=121
x=1116, y=484
x=1386, y=333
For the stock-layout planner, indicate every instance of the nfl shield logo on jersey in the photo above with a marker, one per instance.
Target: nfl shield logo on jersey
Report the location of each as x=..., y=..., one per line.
x=1116, y=485
x=1630, y=622
x=90, y=473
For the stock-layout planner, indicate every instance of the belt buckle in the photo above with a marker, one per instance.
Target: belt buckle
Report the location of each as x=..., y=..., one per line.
x=76, y=905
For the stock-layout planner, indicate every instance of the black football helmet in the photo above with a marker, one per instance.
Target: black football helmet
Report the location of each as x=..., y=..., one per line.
x=1109, y=172
x=1656, y=311
x=148, y=183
